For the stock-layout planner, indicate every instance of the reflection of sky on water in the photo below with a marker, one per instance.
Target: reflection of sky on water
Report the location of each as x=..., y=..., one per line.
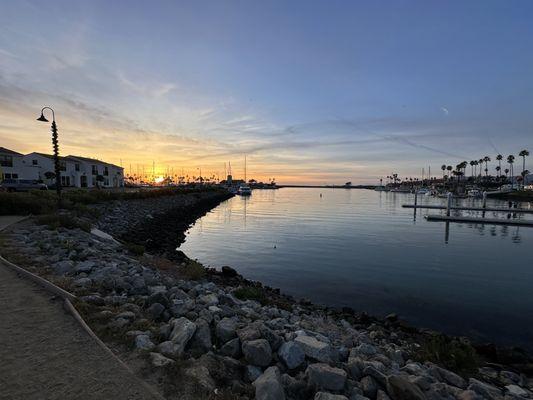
x=361, y=249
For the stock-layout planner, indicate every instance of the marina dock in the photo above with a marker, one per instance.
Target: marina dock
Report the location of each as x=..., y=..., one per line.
x=495, y=221
x=486, y=209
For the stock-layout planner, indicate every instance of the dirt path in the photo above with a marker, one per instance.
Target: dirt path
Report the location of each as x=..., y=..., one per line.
x=44, y=354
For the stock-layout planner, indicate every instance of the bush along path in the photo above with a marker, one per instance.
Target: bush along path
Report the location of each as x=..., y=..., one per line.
x=198, y=333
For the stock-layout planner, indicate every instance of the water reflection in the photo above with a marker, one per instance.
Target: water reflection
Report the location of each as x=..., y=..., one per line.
x=361, y=249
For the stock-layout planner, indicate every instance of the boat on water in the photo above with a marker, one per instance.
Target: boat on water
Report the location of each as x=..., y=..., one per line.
x=454, y=196
x=424, y=191
x=401, y=190
x=381, y=189
x=244, y=190
x=476, y=193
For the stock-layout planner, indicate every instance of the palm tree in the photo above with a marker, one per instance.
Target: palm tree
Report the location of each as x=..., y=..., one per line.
x=510, y=161
x=443, y=167
x=472, y=163
x=486, y=159
x=524, y=153
x=499, y=157
x=449, y=168
x=524, y=174
x=506, y=172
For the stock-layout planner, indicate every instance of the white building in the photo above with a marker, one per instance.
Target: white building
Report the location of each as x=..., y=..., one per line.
x=76, y=171
x=11, y=164
x=89, y=172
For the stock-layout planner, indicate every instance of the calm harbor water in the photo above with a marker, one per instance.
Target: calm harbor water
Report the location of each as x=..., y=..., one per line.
x=360, y=248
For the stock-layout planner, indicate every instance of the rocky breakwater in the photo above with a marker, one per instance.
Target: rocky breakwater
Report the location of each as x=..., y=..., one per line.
x=158, y=224
x=220, y=336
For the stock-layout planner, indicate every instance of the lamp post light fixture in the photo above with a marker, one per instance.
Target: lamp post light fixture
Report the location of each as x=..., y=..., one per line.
x=55, y=145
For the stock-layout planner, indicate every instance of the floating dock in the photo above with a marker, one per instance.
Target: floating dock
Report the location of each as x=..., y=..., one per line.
x=494, y=221
x=487, y=209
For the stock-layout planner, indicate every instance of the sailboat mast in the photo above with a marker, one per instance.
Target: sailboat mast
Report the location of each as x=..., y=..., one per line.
x=245, y=169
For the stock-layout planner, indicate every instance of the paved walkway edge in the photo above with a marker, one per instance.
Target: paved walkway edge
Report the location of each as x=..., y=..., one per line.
x=67, y=296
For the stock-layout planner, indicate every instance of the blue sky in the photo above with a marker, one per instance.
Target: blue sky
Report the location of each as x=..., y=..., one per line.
x=312, y=91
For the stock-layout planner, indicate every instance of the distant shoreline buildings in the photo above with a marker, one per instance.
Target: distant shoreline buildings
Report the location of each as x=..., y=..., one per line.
x=76, y=171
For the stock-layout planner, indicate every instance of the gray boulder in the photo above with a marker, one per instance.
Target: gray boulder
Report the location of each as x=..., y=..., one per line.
x=182, y=331
x=400, y=388
x=209, y=299
x=143, y=343
x=291, y=354
x=314, y=348
x=251, y=373
x=231, y=348
x=517, y=391
x=268, y=385
x=202, y=336
x=159, y=360
x=484, y=389
x=369, y=387
x=63, y=267
x=329, y=396
x=226, y=329
x=365, y=349
x=322, y=376
x=447, y=376
x=169, y=349
x=155, y=310
x=201, y=375
x=469, y=395
x=257, y=352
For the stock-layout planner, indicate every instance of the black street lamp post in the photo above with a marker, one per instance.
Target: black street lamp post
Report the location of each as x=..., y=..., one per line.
x=55, y=145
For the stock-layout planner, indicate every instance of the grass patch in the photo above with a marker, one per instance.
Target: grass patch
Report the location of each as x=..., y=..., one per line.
x=192, y=270
x=251, y=293
x=135, y=249
x=451, y=353
x=159, y=263
x=26, y=203
x=55, y=221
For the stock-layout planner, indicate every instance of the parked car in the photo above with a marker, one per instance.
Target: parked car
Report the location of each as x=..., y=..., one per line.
x=21, y=185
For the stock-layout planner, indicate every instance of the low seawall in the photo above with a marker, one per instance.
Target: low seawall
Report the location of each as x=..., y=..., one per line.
x=158, y=224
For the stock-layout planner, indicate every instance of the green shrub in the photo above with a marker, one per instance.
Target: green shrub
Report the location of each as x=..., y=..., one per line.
x=26, y=203
x=55, y=221
x=451, y=353
x=251, y=293
x=135, y=249
x=193, y=270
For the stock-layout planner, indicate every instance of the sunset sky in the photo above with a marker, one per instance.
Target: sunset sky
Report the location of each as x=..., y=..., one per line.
x=310, y=91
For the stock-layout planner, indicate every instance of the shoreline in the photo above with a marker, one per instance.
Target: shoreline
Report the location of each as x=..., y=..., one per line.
x=194, y=308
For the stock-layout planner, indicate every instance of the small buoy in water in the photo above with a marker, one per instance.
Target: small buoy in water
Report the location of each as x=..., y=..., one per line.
x=274, y=246
x=320, y=194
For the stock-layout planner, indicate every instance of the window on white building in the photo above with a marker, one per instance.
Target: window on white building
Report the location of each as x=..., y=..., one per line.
x=6, y=161
x=94, y=170
x=77, y=167
x=34, y=162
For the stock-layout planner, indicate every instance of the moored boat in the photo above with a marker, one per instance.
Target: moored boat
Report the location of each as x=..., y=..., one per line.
x=244, y=190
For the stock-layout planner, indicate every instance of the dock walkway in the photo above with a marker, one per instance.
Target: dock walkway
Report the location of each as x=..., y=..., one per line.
x=46, y=355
